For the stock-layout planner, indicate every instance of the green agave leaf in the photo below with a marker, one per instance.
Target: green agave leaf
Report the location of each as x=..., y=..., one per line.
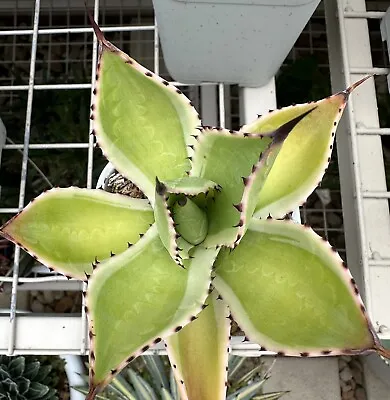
x=138, y=297
x=165, y=223
x=247, y=392
x=270, y=396
x=305, y=154
x=224, y=157
x=191, y=220
x=228, y=158
x=199, y=353
x=122, y=388
x=235, y=363
x=142, y=388
x=260, y=172
x=174, y=386
x=190, y=185
x=157, y=371
x=292, y=294
x=67, y=229
x=165, y=395
x=142, y=123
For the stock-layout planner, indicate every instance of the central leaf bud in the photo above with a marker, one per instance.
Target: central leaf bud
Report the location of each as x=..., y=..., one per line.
x=191, y=220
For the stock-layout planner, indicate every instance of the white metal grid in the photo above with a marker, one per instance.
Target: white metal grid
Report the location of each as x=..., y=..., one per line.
x=369, y=209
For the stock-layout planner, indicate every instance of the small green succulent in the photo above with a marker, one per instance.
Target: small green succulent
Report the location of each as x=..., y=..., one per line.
x=25, y=378
x=150, y=380
x=174, y=266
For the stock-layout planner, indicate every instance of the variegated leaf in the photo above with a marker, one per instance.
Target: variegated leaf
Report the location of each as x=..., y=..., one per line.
x=291, y=293
x=142, y=123
x=71, y=229
x=138, y=297
x=199, y=353
x=305, y=154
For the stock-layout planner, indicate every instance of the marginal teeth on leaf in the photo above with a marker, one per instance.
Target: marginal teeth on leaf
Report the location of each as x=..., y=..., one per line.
x=160, y=187
x=238, y=207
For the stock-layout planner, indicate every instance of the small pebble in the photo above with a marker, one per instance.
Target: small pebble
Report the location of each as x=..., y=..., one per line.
x=346, y=374
x=63, y=305
x=59, y=294
x=41, y=298
x=342, y=364
x=48, y=296
x=360, y=394
x=37, y=307
x=357, y=375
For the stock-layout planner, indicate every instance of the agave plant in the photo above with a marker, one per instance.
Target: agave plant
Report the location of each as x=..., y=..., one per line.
x=150, y=380
x=200, y=246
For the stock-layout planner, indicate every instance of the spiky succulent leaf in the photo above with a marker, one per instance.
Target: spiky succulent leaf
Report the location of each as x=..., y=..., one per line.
x=165, y=395
x=138, y=297
x=270, y=396
x=247, y=392
x=305, y=154
x=142, y=123
x=157, y=371
x=191, y=220
x=190, y=185
x=142, y=388
x=291, y=293
x=228, y=157
x=259, y=174
x=67, y=229
x=165, y=223
x=224, y=157
x=199, y=353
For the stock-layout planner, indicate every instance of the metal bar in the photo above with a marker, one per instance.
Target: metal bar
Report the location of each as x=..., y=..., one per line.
x=369, y=71
x=55, y=327
x=376, y=195
x=156, y=50
x=65, y=86
x=373, y=131
x=379, y=263
x=9, y=210
x=364, y=14
x=47, y=146
x=51, y=285
x=84, y=320
x=355, y=156
x=55, y=278
x=221, y=104
x=70, y=86
x=12, y=320
x=19, y=32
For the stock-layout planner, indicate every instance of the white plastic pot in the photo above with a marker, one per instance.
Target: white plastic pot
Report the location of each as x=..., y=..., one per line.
x=230, y=41
x=106, y=172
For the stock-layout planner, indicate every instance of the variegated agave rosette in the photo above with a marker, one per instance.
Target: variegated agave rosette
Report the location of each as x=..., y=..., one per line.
x=200, y=246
